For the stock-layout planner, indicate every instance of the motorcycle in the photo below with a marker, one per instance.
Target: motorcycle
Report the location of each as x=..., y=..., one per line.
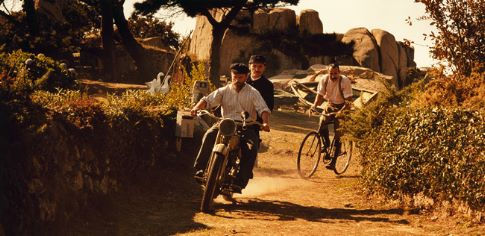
x=224, y=163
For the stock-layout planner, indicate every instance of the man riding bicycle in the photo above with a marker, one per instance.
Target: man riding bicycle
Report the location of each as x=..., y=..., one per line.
x=337, y=90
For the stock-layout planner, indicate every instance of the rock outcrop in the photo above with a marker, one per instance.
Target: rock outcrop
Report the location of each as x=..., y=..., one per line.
x=377, y=50
x=281, y=19
x=309, y=22
x=366, y=51
x=389, y=51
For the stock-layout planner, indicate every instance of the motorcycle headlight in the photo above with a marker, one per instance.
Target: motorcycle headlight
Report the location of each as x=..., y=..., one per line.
x=227, y=127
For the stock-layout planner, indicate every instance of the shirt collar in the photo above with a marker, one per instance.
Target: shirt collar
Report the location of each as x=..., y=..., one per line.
x=231, y=86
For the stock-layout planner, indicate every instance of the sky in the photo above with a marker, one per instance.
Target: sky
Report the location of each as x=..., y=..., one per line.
x=342, y=15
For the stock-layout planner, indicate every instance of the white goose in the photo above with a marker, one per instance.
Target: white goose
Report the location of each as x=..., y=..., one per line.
x=158, y=86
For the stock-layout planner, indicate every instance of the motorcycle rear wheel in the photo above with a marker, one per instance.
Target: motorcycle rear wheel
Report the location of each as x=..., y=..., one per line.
x=212, y=182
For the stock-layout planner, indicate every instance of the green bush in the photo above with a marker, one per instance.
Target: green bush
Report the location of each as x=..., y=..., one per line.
x=22, y=72
x=411, y=145
x=437, y=152
x=66, y=148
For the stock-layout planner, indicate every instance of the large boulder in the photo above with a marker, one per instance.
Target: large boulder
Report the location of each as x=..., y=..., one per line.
x=389, y=51
x=403, y=65
x=377, y=50
x=282, y=19
x=410, y=53
x=260, y=22
x=201, y=39
x=366, y=51
x=309, y=22
x=235, y=48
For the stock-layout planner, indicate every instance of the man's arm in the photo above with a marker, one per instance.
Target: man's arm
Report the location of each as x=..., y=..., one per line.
x=318, y=101
x=265, y=117
x=202, y=104
x=270, y=96
x=212, y=100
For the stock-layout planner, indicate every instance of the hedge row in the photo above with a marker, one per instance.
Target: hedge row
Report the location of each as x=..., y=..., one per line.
x=412, y=146
x=437, y=152
x=62, y=149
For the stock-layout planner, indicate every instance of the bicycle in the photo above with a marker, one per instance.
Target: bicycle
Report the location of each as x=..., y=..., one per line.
x=311, y=150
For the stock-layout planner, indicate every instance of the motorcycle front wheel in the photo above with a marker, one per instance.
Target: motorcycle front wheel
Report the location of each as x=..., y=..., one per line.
x=211, y=184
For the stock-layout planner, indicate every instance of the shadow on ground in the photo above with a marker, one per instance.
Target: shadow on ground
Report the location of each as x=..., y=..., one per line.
x=305, y=124
x=287, y=211
x=160, y=202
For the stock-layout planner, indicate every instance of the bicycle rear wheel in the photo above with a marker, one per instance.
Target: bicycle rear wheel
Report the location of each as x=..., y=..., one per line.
x=343, y=159
x=309, y=155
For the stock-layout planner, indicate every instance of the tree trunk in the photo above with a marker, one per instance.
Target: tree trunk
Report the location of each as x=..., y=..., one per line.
x=29, y=9
x=135, y=50
x=215, y=54
x=107, y=36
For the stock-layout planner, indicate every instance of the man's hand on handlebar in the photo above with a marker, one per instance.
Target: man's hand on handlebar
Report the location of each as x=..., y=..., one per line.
x=313, y=110
x=265, y=127
x=194, y=111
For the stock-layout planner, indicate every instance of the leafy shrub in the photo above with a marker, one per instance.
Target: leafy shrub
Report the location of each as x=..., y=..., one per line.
x=24, y=72
x=50, y=37
x=428, y=138
x=437, y=152
x=75, y=147
x=180, y=90
x=453, y=91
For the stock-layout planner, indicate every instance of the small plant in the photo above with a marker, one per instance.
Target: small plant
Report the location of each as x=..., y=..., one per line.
x=180, y=93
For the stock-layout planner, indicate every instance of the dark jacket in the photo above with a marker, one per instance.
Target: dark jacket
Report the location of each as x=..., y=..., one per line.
x=265, y=88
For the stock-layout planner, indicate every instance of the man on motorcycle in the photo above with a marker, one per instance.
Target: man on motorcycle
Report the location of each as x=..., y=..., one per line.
x=234, y=98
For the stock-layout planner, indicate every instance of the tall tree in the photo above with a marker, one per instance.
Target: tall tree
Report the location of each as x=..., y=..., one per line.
x=136, y=51
x=460, y=36
x=208, y=8
x=107, y=37
x=29, y=10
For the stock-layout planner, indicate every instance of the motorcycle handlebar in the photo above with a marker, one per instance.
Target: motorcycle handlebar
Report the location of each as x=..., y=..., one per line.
x=242, y=122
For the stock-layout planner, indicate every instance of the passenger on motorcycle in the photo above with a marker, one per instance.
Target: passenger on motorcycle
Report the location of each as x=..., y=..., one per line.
x=234, y=98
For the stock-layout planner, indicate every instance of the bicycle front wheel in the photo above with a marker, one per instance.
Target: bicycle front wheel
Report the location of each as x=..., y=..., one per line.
x=309, y=155
x=343, y=159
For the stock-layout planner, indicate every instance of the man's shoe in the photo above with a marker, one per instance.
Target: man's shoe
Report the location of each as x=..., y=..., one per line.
x=199, y=176
x=235, y=188
x=330, y=166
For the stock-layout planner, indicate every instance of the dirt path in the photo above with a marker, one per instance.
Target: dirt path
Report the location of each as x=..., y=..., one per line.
x=276, y=201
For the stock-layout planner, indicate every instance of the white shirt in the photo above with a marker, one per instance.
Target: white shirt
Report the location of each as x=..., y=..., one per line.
x=233, y=102
x=331, y=93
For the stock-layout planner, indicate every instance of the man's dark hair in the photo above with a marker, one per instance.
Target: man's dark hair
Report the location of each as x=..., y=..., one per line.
x=334, y=65
x=257, y=59
x=239, y=68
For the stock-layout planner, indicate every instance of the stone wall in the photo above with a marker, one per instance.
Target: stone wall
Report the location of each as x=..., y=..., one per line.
x=52, y=171
x=376, y=49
